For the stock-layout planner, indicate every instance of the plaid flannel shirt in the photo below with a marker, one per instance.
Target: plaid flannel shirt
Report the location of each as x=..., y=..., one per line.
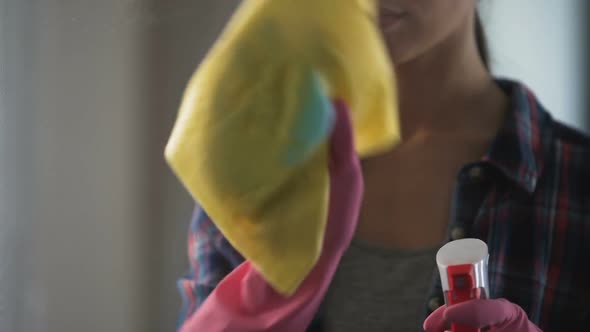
x=528, y=198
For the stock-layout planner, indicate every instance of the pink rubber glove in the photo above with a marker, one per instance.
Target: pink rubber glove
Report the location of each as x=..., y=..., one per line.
x=244, y=302
x=499, y=315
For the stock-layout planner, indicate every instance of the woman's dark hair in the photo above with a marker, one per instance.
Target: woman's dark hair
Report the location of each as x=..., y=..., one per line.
x=481, y=40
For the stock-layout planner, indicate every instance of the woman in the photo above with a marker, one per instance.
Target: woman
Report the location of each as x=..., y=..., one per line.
x=480, y=158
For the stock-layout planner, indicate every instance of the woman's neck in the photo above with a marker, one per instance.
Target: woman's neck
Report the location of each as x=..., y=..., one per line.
x=449, y=90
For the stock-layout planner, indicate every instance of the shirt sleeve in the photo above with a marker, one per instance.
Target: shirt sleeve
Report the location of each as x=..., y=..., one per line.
x=211, y=258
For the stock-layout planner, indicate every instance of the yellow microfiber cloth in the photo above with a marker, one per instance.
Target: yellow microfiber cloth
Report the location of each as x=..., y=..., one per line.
x=250, y=139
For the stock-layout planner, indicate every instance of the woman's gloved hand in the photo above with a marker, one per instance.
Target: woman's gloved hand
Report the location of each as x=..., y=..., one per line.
x=245, y=302
x=499, y=315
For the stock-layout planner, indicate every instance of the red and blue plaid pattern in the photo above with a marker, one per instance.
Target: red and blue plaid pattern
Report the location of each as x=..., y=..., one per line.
x=528, y=199
x=211, y=257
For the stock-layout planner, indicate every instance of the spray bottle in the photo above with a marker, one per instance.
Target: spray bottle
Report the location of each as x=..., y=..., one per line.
x=463, y=268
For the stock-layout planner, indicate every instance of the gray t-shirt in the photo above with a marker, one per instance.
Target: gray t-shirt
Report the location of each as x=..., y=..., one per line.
x=379, y=290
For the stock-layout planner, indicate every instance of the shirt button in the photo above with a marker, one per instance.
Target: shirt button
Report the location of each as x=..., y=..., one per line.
x=533, y=182
x=457, y=233
x=434, y=303
x=475, y=173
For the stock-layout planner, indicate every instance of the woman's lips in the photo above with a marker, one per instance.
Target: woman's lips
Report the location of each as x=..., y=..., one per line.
x=390, y=18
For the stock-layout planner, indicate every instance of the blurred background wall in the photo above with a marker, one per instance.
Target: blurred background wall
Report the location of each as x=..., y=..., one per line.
x=92, y=223
x=543, y=43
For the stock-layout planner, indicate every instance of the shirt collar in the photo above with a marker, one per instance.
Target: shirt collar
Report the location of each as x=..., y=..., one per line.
x=517, y=151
